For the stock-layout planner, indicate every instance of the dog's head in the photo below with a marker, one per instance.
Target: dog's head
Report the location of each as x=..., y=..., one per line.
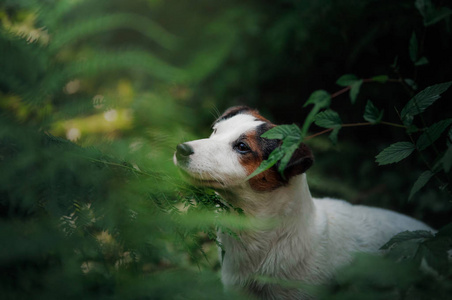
x=234, y=150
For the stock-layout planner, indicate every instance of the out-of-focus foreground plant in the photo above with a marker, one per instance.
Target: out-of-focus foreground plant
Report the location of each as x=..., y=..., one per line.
x=91, y=109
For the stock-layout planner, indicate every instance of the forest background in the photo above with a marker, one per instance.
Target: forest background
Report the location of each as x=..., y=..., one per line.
x=95, y=95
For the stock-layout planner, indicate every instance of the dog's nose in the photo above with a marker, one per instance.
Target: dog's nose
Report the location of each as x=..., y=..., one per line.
x=184, y=150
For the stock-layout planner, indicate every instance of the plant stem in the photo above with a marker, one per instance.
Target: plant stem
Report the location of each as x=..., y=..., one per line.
x=353, y=125
x=340, y=92
x=393, y=124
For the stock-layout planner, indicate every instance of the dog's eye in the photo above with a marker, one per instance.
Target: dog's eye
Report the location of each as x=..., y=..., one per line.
x=242, y=148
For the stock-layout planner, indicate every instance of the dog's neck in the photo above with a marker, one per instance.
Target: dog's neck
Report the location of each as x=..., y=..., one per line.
x=282, y=215
x=291, y=201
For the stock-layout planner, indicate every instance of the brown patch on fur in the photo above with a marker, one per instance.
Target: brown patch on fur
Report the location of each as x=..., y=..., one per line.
x=235, y=110
x=255, y=113
x=269, y=179
x=261, y=148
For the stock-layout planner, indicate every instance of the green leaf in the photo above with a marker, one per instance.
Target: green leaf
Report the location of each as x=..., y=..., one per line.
x=283, y=132
x=435, y=254
x=447, y=159
x=411, y=83
x=432, y=133
x=445, y=231
x=288, y=152
x=347, y=80
x=420, y=183
x=354, y=90
x=431, y=14
x=405, y=250
x=395, y=153
x=413, y=48
x=380, y=78
x=423, y=6
x=333, y=135
x=406, y=236
x=436, y=16
x=372, y=114
x=395, y=64
x=319, y=98
x=273, y=158
x=422, y=61
x=328, y=119
x=353, y=82
x=291, y=138
x=423, y=100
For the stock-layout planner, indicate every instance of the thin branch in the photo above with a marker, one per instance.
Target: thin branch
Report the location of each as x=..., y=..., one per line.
x=354, y=125
x=340, y=92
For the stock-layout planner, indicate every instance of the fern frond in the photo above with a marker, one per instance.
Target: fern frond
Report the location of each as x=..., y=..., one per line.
x=81, y=29
x=131, y=59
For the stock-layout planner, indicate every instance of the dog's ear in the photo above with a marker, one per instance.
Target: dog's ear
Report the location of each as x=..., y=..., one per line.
x=301, y=160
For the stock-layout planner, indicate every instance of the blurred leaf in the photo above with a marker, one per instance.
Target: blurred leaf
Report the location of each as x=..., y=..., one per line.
x=431, y=14
x=112, y=61
x=395, y=153
x=380, y=78
x=413, y=48
x=353, y=82
x=328, y=119
x=420, y=182
x=423, y=100
x=406, y=236
x=82, y=29
x=447, y=159
x=432, y=133
x=354, y=90
x=437, y=16
x=333, y=135
x=411, y=83
x=372, y=114
x=445, y=231
x=347, y=80
x=422, y=61
x=404, y=250
x=434, y=252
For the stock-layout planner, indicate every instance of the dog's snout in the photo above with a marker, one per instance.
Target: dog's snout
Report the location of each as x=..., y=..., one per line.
x=184, y=150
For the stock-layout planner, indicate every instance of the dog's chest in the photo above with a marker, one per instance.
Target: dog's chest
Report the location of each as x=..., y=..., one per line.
x=265, y=255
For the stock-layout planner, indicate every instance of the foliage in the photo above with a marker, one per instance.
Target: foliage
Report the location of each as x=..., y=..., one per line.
x=427, y=252
x=102, y=217
x=95, y=95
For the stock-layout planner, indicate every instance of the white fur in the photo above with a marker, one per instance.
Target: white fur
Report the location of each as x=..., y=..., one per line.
x=312, y=237
x=214, y=158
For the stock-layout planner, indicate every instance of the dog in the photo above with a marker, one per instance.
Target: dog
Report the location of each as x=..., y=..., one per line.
x=312, y=237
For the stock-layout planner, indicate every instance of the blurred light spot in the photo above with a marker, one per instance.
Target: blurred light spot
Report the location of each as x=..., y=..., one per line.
x=72, y=87
x=73, y=134
x=98, y=101
x=111, y=115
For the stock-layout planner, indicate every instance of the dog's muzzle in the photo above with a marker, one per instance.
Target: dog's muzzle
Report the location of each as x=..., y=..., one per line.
x=183, y=152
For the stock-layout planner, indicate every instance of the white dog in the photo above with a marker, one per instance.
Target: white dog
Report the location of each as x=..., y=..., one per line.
x=313, y=236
